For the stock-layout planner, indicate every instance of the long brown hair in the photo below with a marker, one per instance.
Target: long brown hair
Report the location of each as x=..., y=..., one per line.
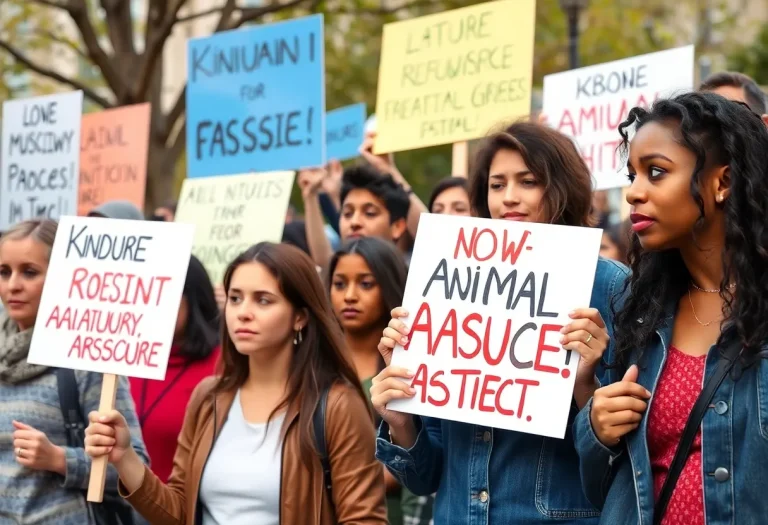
x=554, y=161
x=318, y=361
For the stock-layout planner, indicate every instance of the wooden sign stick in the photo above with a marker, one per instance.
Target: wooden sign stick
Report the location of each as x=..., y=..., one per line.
x=99, y=465
x=460, y=160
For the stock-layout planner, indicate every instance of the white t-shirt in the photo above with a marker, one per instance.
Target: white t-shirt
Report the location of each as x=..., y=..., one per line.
x=241, y=481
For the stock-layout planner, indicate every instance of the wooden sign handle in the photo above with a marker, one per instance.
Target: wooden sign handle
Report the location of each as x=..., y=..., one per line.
x=460, y=160
x=99, y=465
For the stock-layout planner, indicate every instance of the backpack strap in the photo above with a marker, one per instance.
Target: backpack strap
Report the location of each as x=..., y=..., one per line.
x=69, y=399
x=318, y=423
x=725, y=364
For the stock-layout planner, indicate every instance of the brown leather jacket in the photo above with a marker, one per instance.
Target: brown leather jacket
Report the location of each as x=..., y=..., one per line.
x=358, y=479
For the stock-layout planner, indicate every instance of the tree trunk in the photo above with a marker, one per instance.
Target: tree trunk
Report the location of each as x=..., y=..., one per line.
x=161, y=168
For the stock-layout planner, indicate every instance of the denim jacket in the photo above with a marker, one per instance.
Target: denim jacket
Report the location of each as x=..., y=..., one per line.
x=734, y=448
x=484, y=475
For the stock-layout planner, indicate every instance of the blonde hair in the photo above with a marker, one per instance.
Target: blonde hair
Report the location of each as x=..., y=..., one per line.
x=41, y=230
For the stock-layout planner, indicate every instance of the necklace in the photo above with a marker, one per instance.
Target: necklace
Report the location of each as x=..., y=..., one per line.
x=694, y=310
x=712, y=290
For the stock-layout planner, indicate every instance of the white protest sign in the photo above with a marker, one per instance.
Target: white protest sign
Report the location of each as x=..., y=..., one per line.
x=486, y=302
x=232, y=213
x=112, y=295
x=589, y=103
x=40, y=160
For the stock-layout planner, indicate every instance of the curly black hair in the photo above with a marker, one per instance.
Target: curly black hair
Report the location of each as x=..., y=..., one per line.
x=383, y=186
x=724, y=133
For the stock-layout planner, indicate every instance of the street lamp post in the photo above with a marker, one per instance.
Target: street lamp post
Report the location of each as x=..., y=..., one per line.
x=573, y=9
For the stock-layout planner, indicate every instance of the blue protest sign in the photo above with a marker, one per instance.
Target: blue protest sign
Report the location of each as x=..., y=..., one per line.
x=344, y=131
x=256, y=99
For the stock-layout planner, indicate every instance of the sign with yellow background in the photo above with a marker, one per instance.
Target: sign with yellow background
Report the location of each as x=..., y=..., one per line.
x=452, y=76
x=233, y=212
x=113, y=157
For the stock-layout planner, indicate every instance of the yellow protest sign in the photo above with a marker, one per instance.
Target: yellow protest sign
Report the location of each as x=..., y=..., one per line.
x=232, y=213
x=452, y=76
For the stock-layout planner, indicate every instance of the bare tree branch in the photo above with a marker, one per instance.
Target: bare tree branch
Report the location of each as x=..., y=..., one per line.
x=154, y=47
x=120, y=26
x=65, y=5
x=201, y=14
x=63, y=41
x=54, y=75
x=248, y=14
x=383, y=11
x=96, y=53
x=177, y=111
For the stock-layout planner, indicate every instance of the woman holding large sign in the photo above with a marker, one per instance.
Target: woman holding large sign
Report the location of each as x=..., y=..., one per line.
x=44, y=467
x=693, y=327
x=284, y=435
x=526, y=173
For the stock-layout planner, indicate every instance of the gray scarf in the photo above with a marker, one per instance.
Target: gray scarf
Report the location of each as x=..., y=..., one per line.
x=14, y=347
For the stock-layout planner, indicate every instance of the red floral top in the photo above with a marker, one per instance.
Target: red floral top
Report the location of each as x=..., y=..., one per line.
x=679, y=386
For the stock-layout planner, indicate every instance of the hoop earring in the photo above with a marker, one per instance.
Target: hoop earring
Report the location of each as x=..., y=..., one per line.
x=298, y=338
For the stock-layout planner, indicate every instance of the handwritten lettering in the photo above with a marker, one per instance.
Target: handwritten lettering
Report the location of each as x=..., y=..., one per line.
x=474, y=26
x=211, y=61
x=614, y=82
x=483, y=392
x=265, y=133
x=104, y=246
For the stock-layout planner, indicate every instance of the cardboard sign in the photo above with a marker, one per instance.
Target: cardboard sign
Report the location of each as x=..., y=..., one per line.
x=113, y=156
x=39, y=170
x=588, y=104
x=345, y=132
x=256, y=99
x=111, y=298
x=486, y=302
x=233, y=213
x=450, y=77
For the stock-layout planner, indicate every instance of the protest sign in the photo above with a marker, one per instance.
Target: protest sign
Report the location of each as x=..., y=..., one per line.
x=256, y=99
x=486, y=302
x=588, y=104
x=112, y=305
x=40, y=155
x=113, y=156
x=344, y=132
x=452, y=76
x=233, y=213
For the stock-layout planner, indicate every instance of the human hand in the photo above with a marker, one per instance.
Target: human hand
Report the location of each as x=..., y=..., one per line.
x=396, y=332
x=310, y=181
x=35, y=451
x=108, y=435
x=617, y=409
x=391, y=384
x=331, y=184
x=385, y=162
x=588, y=336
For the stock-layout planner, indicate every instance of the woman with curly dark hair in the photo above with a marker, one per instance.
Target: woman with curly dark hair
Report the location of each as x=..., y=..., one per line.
x=692, y=326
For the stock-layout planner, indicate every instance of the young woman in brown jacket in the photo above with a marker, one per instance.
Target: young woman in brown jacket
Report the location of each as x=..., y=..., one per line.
x=247, y=452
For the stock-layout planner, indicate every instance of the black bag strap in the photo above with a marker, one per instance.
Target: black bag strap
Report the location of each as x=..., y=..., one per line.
x=318, y=423
x=69, y=400
x=724, y=366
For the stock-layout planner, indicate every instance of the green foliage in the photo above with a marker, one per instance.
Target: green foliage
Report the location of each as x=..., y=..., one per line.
x=752, y=59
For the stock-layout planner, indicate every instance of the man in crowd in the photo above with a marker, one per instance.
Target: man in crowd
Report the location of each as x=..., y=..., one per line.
x=738, y=87
x=372, y=204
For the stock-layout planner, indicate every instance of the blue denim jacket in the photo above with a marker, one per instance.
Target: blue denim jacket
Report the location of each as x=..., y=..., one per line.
x=734, y=449
x=491, y=476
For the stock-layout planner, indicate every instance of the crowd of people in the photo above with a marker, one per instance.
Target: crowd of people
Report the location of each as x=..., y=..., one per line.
x=274, y=409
